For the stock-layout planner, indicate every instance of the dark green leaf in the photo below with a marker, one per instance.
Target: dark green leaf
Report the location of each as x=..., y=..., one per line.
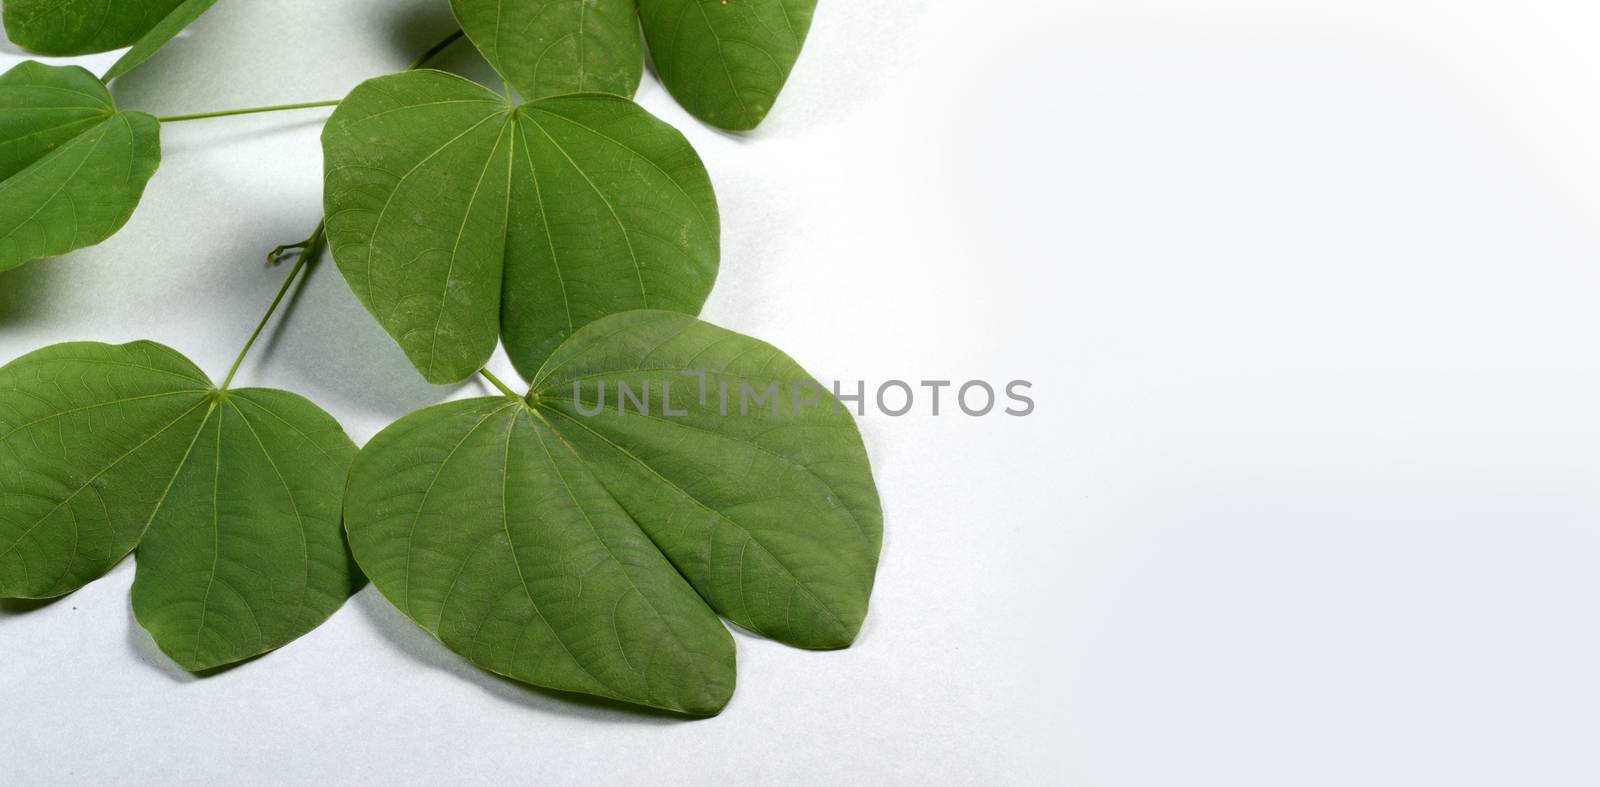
x=457, y=216
x=159, y=36
x=550, y=48
x=726, y=60
x=232, y=498
x=72, y=167
x=559, y=547
x=82, y=27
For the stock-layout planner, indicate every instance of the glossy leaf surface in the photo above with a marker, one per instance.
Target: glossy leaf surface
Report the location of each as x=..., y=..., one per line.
x=457, y=217
x=580, y=551
x=550, y=48
x=726, y=60
x=72, y=167
x=232, y=498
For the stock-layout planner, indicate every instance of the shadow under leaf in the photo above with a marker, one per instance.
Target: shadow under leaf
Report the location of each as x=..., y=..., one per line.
x=27, y=289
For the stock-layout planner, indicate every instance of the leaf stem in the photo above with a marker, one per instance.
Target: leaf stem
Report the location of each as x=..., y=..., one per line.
x=251, y=111
x=488, y=375
x=433, y=52
x=312, y=249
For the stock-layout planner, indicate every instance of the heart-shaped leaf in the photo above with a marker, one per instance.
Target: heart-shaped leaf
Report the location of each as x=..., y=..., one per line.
x=550, y=48
x=726, y=60
x=232, y=497
x=457, y=216
x=82, y=27
x=72, y=167
x=579, y=550
x=159, y=36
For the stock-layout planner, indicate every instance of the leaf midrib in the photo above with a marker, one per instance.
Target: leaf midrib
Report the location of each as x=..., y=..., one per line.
x=749, y=534
x=627, y=235
x=623, y=567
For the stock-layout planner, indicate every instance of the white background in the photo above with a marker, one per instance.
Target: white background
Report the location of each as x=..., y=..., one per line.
x=1308, y=292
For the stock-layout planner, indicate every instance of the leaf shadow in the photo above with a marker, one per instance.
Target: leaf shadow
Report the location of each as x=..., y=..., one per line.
x=418, y=27
x=26, y=289
x=17, y=607
x=363, y=368
x=146, y=650
x=290, y=305
x=175, y=141
x=418, y=644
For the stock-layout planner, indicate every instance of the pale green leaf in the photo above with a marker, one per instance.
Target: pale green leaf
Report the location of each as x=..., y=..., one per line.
x=586, y=552
x=550, y=48
x=232, y=498
x=726, y=60
x=159, y=36
x=457, y=216
x=82, y=27
x=72, y=167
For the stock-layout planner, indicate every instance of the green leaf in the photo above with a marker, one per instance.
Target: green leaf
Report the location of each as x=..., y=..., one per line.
x=580, y=551
x=232, y=498
x=89, y=437
x=159, y=36
x=726, y=60
x=82, y=27
x=457, y=217
x=550, y=48
x=44, y=107
x=72, y=167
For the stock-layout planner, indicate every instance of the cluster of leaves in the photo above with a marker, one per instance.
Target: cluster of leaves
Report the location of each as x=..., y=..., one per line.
x=583, y=552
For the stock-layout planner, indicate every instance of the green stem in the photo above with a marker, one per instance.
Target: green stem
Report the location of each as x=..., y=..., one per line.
x=488, y=375
x=250, y=111
x=433, y=52
x=313, y=249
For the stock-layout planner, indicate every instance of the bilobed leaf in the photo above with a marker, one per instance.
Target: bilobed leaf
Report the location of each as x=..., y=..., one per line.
x=480, y=525
x=580, y=551
x=550, y=48
x=82, y=27
x=159, y=36
x=231, y=497
x=72, y=167
x=726, y=60
x=457, y=217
